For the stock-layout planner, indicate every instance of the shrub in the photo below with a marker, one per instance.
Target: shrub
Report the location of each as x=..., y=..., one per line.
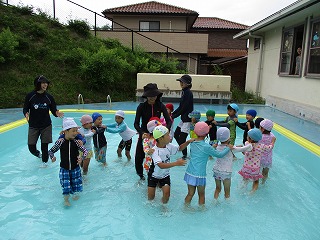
x=217, y=70
x=240, y=96
x=8, y=45
x=80, y=27
x=37, y=30
x=104, y=68
x=24, y=10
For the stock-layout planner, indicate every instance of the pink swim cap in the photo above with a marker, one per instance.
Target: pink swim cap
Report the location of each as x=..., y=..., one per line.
x=201, y=129
x=86, y=119
x=267, y=124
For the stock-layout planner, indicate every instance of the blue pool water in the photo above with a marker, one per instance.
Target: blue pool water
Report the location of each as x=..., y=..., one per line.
x=113, y=204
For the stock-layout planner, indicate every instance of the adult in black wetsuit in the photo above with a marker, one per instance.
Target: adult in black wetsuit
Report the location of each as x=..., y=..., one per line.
x=36, y=110
x=152, y=107
x=185, y=107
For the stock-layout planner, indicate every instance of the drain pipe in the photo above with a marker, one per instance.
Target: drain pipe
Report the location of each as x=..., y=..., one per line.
x=258, y=86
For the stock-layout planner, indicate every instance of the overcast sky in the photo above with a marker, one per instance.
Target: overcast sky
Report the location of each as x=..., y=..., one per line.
x=247, y=12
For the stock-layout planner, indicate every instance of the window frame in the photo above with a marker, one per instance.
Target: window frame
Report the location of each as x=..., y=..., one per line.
x=148, y=30
x=295, y=30
x=256, y=43
x=309, y=48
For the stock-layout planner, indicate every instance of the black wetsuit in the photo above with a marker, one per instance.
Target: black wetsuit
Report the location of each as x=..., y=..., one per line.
x=38, y=106
x=212, y=131
x=244, y=127
x=185, y=107
x=144, y=112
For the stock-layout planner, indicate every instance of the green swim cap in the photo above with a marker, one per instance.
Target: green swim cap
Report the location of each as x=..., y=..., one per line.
x=210, y=113
x=159, y=131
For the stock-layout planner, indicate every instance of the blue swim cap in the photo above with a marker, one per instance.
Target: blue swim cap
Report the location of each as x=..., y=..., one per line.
x=255, y=134
x=95, y=115
x=196, y=114
x=234, y=107
x=252, y=112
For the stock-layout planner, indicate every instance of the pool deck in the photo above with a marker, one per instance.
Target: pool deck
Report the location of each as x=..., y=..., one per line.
x=303, y=128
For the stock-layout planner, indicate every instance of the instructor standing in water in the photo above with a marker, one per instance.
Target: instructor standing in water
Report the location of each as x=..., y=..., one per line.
x=152, y=107
x=36, y=110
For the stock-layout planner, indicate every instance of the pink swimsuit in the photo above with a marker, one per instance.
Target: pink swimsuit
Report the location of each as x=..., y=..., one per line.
x=251, y=166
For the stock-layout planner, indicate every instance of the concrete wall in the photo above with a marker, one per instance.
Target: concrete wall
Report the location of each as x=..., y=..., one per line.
x=167, y=23
x=203, y=86
x=181, y=42
x=291, y=93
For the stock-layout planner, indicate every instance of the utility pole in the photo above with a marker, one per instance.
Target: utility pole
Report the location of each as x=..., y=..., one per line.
x=54, y=9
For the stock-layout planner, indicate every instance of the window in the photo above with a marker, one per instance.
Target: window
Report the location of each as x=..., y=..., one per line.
x=150, y=26
x=313, y=67
x=257, y=42
x=290, y=59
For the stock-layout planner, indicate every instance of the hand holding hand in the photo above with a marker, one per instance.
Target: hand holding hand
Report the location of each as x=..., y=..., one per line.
x=151, y=151
x=145, y=135
x=181, y=162
x=27, y=116
x=59, y=114
x=79, y=160
x=53, y=159
x=230, y=146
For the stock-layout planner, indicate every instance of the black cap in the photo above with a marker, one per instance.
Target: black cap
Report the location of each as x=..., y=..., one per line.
x=40, y=79
x=185, y=79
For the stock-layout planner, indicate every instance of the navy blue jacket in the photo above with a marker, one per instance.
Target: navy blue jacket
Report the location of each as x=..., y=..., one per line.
x=38, y=106
x=185, y=106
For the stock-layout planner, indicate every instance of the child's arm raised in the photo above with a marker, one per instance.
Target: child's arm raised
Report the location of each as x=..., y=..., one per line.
x=179, y=162
x=185, y=144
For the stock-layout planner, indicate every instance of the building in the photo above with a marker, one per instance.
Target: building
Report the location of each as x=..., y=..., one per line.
x=166, y=29
x=288, y=80
x=225, y=56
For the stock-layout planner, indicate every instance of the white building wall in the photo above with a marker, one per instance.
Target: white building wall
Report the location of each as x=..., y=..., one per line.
x=295, y=95
x=252, y=67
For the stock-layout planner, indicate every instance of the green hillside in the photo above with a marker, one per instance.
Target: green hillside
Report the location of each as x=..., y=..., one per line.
x=70, y=57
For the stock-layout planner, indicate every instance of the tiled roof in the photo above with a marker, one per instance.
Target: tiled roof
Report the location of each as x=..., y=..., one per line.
x=213, y=22
x=152, y=7
x=217, y=52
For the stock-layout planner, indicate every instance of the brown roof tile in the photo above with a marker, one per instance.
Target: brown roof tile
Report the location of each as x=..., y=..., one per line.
x=216, y=52
x=152, y=7
x=213, y=22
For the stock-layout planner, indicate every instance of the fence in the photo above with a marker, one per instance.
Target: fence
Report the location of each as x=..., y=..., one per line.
x=66, y=10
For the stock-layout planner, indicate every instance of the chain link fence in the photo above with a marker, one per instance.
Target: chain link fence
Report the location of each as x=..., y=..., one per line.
x=66, y=10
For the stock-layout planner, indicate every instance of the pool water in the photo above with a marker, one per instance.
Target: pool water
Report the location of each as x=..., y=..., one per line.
x=113, y=204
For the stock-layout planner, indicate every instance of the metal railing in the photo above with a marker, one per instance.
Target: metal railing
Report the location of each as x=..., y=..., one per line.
x=109, y=100
x=168, y=49
x=55, y=9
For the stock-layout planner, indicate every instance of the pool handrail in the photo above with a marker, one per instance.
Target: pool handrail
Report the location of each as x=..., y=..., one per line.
x=80, y=100
x=109, y=98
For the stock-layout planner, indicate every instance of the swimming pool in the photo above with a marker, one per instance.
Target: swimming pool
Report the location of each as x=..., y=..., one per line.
x=113, y=204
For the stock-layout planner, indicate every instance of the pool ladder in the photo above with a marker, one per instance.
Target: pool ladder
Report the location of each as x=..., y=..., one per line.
x=109, y=101
x=80, y=100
